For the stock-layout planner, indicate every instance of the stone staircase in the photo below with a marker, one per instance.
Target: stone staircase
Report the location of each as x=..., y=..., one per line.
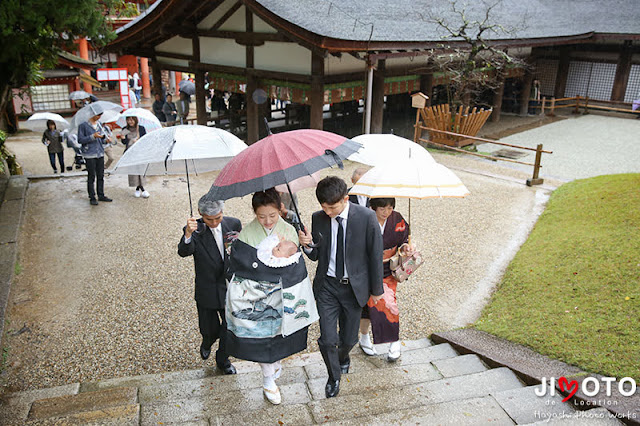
x=430, y=384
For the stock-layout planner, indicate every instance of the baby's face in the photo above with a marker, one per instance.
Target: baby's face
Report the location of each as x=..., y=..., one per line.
x=284, y=249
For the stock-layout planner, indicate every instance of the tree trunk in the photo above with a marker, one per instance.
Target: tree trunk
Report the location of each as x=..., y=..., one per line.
x=5, y=99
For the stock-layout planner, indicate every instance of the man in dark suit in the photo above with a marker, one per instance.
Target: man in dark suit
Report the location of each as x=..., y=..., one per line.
x=205, y=239
x=349, y=255
x=363, y=200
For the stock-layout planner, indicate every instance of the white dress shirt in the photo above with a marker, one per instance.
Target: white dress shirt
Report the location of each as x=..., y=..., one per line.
x=362, y=200
x=331, y=271
x=217, y=236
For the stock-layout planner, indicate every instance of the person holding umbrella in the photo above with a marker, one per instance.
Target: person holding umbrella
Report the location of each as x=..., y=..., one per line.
x=91, y=136
x=52, y=139
x=130, y=135
x=349, y=253
x=205, y=240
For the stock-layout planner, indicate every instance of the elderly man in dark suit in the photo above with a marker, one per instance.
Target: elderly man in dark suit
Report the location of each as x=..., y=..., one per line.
x=349, y=255
x=206, y=239
x=363, y=200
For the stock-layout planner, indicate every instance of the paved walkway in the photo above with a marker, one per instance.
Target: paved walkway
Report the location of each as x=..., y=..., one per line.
x=430, y=384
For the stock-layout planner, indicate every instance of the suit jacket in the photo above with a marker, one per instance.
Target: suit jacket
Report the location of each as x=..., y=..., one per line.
x=211, y=285
x=354, y=198
x=363, y=251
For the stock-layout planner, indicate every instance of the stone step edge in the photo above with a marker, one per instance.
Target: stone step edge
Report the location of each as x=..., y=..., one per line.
x=207, y=372
x=531, y=367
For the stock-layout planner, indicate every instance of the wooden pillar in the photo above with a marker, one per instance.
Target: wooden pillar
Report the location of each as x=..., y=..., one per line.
x=377, y=98
x=253, y=120
x=526, y=94
x=83, y=47
x=497, y=101
x=201, y=99
x=157, y=77
x=144, y=70
x=426, y=86
x=563, y=73
x=317, y=91
x=623, y=70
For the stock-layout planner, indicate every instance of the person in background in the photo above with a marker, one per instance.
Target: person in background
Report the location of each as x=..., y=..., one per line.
x=108, y=143
x=137, y=86
x=130, y=135
x=169, y=110
x=91, y=136
x=182, y=107
x=52, y=139
x=287, y=210
x=157, y=108
x=205, y=239
x=362, y=200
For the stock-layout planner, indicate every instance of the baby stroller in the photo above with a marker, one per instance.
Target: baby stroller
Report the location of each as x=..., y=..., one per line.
x=72, y=142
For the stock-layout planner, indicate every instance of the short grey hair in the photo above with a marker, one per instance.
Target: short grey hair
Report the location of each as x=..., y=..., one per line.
x=357, y=173
x=210, y=207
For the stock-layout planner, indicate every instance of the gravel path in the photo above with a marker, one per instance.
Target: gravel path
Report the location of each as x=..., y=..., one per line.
x=583, y=146
x=104, y=294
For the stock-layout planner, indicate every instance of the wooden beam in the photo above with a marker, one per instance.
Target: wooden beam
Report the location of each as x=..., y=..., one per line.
x=227, y=15
x=377, y=97
x=261, y=74
x=201, y=99
x=156, y=72
x=253, y=122
x=623, y=70
x=247, y=36
x=497, y=102
x=562, y=73
x=317, y=91
x=175, y=55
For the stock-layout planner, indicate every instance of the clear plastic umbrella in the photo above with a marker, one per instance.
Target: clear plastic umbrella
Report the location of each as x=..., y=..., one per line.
x=180, y=149
x=145, y=118
x=381, y=148
x=38, y=121
x=78, y=95
x=85, y=113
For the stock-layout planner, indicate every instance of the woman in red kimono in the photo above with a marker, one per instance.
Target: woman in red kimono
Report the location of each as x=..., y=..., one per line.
x=384, y=315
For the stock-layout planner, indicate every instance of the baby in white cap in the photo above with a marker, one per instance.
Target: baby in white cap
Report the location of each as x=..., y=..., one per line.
x=277, y=254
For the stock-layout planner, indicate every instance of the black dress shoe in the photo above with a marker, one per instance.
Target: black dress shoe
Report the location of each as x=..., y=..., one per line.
x=332, y=388
x=228, y=369
x=344, y=366
x=105, y=199
x=93, y=202
x=204, y=352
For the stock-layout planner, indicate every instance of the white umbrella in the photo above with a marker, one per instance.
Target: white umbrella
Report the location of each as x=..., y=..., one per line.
x=85, y=113
x=380, y=149
x=410, y=178
x=145, y=118
x=109, y=116
x=38, y=121
x=180, y=149
x=78, y=94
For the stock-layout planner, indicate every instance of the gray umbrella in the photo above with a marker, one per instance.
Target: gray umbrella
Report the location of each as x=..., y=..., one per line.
x=187, y=87
x=96, y=108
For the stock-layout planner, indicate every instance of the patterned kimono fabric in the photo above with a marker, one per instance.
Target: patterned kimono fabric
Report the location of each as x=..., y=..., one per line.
x=384, y=315
x=259, y=340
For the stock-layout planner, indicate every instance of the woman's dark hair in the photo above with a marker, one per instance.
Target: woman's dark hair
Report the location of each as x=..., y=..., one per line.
x=135, y=120
x=374, y=203
x=330, y=190
x=270, y=197
x=50, y=122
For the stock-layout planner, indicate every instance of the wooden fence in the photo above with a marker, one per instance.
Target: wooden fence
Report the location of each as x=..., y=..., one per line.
x=549, y=106
x=534, y=180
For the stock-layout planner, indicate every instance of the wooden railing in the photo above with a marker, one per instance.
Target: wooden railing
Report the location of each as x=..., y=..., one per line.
x=534, y=180
x=549, y=106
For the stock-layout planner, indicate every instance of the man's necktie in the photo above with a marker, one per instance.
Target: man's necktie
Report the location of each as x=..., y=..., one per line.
x=340, y=250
